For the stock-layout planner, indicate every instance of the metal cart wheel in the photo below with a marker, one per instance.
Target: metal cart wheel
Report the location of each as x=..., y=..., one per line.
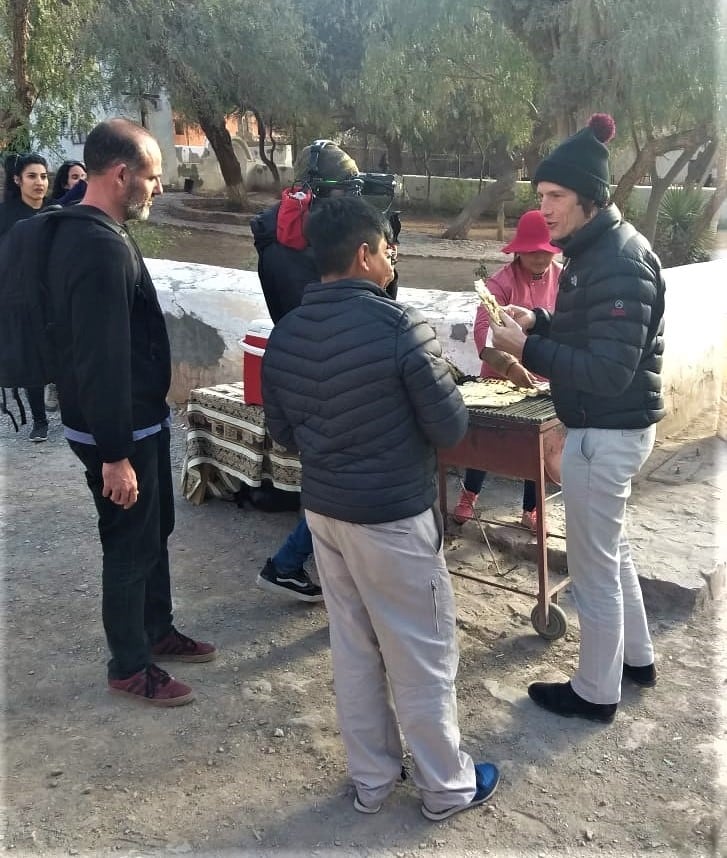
x=557, y=624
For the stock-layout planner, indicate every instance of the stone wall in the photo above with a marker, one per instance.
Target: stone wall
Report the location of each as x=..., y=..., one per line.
x=209, y=309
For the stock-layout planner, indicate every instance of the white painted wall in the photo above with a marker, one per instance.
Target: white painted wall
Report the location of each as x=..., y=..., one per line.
x=226, y=300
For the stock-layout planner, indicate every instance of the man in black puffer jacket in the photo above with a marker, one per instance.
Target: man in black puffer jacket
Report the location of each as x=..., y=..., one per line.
x=285, y=269
x=357, y=384
x=602, y=350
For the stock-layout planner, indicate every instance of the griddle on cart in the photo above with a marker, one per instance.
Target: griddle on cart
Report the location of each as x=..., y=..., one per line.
x=524, y=440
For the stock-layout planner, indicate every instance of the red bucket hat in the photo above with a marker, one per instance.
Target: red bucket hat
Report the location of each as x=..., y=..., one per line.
x=531, y=235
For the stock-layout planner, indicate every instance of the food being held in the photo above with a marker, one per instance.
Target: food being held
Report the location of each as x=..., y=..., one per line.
x=494, y=311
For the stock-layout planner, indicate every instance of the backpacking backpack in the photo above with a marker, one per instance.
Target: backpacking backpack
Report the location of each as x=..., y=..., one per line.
x=27, y=342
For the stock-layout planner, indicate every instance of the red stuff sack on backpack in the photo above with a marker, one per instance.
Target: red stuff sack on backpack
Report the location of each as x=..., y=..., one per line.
x=294, y=207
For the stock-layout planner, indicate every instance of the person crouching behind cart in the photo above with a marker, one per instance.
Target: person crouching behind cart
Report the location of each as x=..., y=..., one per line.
x=357, y=384
x=530, y=280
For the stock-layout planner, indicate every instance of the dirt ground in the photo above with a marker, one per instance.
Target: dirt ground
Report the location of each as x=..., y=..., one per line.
x=235, y=251
x=255, y=766
x=231, y=246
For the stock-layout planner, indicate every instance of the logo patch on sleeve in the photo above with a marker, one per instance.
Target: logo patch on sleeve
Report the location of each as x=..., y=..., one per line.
x=618, y=308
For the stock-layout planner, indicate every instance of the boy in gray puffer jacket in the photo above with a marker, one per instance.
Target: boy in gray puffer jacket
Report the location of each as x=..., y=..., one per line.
x=356, y=383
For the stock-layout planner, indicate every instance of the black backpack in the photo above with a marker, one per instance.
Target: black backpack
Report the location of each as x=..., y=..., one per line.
x=27, y=338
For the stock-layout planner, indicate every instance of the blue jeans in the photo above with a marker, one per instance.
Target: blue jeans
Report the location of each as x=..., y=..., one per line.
x=296, y=549
x=474, y=479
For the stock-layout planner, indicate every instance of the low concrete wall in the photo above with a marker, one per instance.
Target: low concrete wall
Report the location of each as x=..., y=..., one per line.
x=695, y=359
x=209, y=309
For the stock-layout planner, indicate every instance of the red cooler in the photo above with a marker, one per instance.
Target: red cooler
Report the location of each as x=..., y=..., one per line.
x=253, y=347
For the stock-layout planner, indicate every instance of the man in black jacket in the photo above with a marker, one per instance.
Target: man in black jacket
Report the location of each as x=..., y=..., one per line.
x=324, y=170
x=602, y=351
x=114, y=374
x=357, y=384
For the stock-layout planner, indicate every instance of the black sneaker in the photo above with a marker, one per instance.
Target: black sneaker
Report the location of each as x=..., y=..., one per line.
x=296, y=584
x=38, y=433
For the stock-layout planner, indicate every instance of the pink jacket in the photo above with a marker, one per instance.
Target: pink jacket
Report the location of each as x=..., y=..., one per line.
x=513, y=285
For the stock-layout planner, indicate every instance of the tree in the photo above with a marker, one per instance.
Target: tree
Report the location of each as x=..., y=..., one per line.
x=446, y=78
x=215, y=58
x=648, y=62
x=42, y=40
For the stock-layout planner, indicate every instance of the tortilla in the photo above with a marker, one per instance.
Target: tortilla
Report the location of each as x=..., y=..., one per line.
x=493, y=393
x=490, y=303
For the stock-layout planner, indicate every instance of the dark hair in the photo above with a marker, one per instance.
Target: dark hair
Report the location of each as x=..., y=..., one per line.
x=61, y=179
x=590, y=206
x=337, y=227
x=112, y=142
x=14, y=166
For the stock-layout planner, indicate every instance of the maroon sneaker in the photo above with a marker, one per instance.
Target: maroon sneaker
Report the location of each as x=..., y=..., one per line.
x=153, y=685
x=178, y=647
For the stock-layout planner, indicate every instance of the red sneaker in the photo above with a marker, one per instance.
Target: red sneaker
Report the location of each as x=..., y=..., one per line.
x=530, y=520
x=155, y=686
x=178, y=647
x=465, y=508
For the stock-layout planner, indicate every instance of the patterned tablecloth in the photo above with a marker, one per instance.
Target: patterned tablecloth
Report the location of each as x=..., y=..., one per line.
x=227, y=444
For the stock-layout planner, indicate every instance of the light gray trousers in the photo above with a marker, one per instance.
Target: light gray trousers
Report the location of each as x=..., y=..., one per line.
x=392, y=614
x=597, y=468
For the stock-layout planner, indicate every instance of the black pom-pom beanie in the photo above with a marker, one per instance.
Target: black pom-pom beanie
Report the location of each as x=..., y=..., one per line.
x=581, y=162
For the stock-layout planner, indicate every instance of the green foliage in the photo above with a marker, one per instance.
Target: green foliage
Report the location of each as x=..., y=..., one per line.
x=443, y=78
x=634, y=211
x=651, y=63
x=455, y=193
x=679, y=239
x=220, y=56
x=155, y=240
x=525, y=197
x=62, y=78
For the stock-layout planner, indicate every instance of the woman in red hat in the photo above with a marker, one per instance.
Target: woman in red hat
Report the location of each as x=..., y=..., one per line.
x=530, y=280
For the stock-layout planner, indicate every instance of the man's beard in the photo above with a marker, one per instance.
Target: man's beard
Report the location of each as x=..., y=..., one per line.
x=137, y=205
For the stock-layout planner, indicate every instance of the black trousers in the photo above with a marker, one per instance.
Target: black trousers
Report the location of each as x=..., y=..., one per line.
x=137, y=601
x=36, y=401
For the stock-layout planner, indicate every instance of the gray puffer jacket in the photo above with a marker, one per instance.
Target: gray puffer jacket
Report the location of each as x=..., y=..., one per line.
x=356, y=383
x=602, y=347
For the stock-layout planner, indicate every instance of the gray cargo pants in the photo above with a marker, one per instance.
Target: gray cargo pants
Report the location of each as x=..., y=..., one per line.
x=392, y=617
